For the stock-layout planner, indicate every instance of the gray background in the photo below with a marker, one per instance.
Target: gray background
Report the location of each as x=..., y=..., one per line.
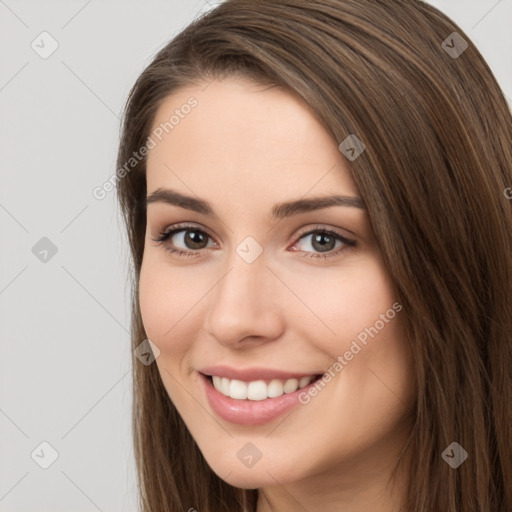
x=64, y=362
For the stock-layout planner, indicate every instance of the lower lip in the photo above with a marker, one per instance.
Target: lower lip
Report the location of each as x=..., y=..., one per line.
x=250, y=412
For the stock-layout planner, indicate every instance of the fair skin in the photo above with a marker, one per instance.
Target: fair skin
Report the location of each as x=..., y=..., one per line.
x=243, y=149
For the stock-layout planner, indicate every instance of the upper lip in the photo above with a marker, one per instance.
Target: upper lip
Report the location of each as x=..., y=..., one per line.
x=252, y=374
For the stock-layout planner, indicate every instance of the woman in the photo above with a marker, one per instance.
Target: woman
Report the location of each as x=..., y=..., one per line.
x=321, y=234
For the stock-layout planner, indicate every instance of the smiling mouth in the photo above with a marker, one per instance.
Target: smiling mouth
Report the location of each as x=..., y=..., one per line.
x=259, y=389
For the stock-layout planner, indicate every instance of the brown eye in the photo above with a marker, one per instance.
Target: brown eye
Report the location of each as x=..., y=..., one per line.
x=194, y=238
x=323, y=243
x=186, y=240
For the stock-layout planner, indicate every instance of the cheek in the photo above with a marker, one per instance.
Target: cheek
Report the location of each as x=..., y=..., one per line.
x=170, y=308
x=343, y=304
x=166, y=299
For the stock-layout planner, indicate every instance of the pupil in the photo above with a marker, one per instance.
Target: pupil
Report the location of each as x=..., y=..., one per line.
x=323, y=247
x=194, y=237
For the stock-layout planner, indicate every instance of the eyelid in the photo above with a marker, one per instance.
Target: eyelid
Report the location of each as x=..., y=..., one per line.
x=183, y=226
x=302, y=232
x=321, y=227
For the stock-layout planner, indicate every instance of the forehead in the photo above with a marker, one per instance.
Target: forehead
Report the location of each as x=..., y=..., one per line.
x=243, y=138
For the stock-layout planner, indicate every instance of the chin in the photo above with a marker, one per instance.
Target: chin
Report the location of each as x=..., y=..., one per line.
x=246, y=479
x=262, y=474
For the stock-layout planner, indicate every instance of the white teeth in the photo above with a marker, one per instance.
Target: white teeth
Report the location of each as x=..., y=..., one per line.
x=238, y=389
x=304, y=381
x=217, y=381
x=258, y=389
x=291, y=385
x=224, y=386
x=275, y=388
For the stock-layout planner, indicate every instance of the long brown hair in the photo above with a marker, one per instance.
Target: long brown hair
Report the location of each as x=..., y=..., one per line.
x=434, y=179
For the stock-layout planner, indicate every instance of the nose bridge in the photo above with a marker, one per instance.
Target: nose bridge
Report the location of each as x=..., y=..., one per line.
x=246, y=273
x=243, y=302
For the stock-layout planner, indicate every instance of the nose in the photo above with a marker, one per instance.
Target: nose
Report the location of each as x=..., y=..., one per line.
x=244, y=306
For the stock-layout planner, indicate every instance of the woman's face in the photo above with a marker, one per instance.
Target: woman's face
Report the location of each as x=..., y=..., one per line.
x=262, y=293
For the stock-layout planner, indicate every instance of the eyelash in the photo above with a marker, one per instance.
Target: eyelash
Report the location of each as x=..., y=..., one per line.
x=168, y=233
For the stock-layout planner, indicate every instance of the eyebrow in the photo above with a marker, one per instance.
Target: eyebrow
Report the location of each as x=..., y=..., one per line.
x=279, y=211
